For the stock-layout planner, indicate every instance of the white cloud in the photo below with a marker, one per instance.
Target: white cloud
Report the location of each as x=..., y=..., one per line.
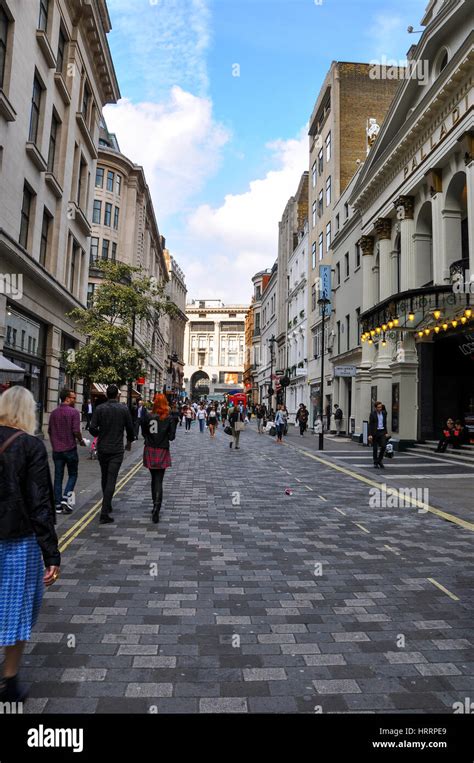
x=177, y=142
x=388, y=35
x=241, y=236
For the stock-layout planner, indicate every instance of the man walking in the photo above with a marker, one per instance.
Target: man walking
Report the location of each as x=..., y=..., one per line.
x=338, y=418
x=109, y=422
x=137, y=418
x=378, y=434
x=64, y=431
x=87, y=411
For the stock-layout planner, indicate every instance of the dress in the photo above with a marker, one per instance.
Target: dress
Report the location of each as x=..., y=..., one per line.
x=156, y=458
x=21, y=589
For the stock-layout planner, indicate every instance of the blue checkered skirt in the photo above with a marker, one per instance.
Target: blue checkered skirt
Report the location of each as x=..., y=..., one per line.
x=21, y=588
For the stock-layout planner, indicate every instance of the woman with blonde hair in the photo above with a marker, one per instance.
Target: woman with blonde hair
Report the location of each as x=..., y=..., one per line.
x=28, y=541
x=159, y=429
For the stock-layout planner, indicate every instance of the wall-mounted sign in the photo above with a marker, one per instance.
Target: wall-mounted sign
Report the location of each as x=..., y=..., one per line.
x=345, y=370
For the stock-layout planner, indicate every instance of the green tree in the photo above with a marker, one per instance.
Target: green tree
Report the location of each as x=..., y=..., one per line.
x=123, y=295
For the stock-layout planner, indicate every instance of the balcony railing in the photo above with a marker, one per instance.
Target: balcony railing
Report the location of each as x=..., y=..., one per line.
x=459, y=269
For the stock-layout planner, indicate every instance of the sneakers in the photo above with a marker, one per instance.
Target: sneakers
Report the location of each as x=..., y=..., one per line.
x=11, y=691
x=106, y=520
x=65, y=506
x=59, y=509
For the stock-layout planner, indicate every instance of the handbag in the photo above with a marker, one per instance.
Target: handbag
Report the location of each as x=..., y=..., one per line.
x=228, y=430
x=239, y=426
x=272, y=431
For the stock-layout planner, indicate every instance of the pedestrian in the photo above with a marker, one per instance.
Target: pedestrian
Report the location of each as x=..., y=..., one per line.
x=87, y=411
x=180, y=414
x=109, y=422
x=224, y=413
x=378, y=434
x=302, y=417
x=188, y=417
x=137, y=414
x=64, y=429
x=338, y=416
x=259, y=413
x=236, y=422
x=460, y=436
x=280, y=422
x=212, y=421
x=201, y=416
x=328, y=417
x=29, y=553
x=447, y=437
x=159, y=429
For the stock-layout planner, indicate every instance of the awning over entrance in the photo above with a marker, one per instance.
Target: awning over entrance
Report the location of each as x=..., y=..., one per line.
x=10, y=371
x=101, y=390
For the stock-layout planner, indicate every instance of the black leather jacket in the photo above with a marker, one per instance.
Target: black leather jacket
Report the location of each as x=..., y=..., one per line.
x=161, y=433
x=26, y=494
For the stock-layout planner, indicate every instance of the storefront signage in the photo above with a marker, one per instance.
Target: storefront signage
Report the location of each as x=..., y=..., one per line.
x=436, y=137
x=345, y=370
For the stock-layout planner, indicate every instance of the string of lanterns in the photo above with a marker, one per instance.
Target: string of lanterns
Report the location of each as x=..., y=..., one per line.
x=379, y=333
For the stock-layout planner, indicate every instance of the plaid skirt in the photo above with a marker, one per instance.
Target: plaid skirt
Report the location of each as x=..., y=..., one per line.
x=21, y=588
x=156, y=458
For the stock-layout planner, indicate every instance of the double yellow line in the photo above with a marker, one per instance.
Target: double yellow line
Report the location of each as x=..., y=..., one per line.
x=68, y=537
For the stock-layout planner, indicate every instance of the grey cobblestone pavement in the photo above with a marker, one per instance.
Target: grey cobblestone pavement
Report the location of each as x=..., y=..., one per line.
x=246, y=599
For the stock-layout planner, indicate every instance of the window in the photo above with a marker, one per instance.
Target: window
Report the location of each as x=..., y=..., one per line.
x=116, y=218
x=74, y=263
x=61, y=52
x=328, y=191
x=53, y=136
x=339, y=337
x=43, y=15
x=99, y=177
x=348, y=332
x=105, y=249
x=114, y=252
x=110, y=181
x=320, y=204
x=313, y=255
x=314, y=174
x=338, y=274
x=313, y=297
x=81, y=183
x=258, y=293
x=338, y=224
x=118, y=184
x=97, y=212
x=314, y=214
x=108, y=214
x=25, y=216
x=44, y=237
x=358, y=324
x=346, y=210
x=90, y=294
x=320, y=162
x=3, y=44
x=320, y=246
x=86, y=97
x=35, y=110
x=346, y=264
x=328, y=237
x=94, y=250
x=328, y=146
x=357, y=256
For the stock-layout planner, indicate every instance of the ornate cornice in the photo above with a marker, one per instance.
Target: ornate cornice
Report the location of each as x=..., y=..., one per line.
x=405, y=206
x=366, y=244
x=383, y=228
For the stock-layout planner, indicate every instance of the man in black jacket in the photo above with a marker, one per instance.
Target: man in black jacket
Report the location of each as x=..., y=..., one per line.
x=109, y=422
x=378, y=434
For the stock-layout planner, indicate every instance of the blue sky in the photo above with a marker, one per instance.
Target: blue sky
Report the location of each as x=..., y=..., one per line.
x=223, y=153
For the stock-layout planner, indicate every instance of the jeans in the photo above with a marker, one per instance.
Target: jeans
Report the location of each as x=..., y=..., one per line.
x=380, y=439
x=279, y=429
x=110, y=464
x=236, y=438
x=259, y=425
x=69, y=459
x=157, y=486
x=202, y=425
x=188, y=423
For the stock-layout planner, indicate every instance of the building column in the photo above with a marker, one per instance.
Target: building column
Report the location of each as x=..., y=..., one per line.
x=364, y=372
x=423, y=248
x=52, y=356
x=405, y=373
x=470, y=207
x=383, y=230
x=451, y=240
x=405, y=206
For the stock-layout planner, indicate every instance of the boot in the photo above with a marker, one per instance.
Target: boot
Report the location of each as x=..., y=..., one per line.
x=11, y=691
x=156, y=513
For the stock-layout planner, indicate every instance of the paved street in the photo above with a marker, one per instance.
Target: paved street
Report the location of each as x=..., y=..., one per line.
x=247, y=599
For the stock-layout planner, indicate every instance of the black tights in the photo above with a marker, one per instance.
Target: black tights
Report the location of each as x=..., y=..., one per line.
x=157, y=486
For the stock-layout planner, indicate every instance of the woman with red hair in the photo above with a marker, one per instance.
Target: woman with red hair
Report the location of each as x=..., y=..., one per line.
x=159, y=429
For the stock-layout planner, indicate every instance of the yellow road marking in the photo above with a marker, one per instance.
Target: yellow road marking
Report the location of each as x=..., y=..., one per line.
x=81, y=524
x=340, y=511
x=392, y=491
x=442, y=588
x=362, y=527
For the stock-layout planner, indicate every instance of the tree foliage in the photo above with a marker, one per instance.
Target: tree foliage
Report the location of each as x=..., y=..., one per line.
x=124, y=294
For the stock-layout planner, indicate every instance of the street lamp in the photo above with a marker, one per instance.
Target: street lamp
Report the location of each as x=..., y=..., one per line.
x=271, y=342
x=322, y=302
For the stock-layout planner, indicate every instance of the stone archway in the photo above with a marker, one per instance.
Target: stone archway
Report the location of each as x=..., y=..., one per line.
x=199, y=385
x=455, y=221
x=423, y=239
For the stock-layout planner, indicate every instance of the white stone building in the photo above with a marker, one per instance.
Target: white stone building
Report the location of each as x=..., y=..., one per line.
x=267, y=376
x=214, y=349
x=415, y=196
x=297, y=338
x=56, y=74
